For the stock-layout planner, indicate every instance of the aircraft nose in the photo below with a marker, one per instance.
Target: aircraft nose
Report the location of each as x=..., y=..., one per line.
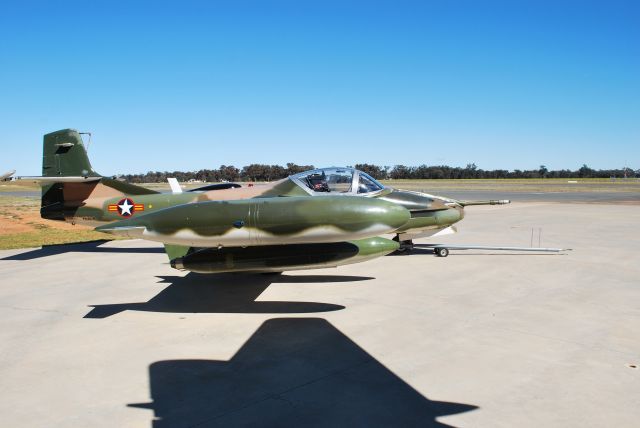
x=450, y=216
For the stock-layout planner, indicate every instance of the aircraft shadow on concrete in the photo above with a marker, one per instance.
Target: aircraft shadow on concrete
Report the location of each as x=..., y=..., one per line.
x=291, y=372
x=83, y=247
x=224, y=293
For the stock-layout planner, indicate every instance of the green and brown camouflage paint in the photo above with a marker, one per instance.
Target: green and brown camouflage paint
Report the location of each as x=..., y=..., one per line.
x=262, y=216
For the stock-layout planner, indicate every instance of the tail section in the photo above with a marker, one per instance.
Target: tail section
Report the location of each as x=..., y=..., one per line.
x=71, y=189
x=64, y=155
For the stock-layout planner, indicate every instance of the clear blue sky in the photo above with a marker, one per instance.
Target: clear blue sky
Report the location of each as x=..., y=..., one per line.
x=190, y=85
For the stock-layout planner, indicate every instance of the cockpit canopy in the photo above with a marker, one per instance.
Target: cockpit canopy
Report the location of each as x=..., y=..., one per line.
x=348, y=181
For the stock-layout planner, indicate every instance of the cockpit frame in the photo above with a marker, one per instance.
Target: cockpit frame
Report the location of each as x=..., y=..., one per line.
x=299, y=180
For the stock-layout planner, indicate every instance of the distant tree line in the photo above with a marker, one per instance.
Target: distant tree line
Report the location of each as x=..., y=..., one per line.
x=472, y=171
x=253, y=172
x=260, y=172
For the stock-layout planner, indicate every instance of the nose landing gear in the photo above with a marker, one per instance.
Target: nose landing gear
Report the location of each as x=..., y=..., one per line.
x=441, y=252
x=405, y=246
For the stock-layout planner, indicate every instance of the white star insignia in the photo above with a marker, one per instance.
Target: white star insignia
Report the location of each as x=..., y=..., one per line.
x=125, y=207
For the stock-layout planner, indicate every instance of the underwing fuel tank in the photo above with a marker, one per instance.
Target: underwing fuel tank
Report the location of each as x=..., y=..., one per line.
x=277, y=258
x=265, y=221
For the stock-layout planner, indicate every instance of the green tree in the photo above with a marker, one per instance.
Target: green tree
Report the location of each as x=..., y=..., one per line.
x=543, y=171
x=585, y=171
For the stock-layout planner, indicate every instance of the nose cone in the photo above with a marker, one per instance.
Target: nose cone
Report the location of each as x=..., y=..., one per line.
x=450, y=216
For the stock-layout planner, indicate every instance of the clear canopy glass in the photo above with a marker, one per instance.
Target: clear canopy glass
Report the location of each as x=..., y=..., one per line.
x=348, y=181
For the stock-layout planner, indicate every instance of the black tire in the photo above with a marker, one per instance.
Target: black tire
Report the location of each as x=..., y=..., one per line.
x=441, y=252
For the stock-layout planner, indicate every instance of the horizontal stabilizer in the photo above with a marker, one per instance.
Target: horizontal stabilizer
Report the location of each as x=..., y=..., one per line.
x=43, y=181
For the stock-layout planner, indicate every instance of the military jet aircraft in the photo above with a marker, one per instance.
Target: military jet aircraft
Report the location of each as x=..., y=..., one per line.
x=321, y=218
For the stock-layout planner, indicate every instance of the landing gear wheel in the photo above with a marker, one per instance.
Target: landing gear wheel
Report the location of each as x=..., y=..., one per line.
x=441, y=252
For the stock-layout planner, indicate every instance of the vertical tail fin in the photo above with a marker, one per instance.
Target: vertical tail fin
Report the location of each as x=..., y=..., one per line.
x=64, y=155
x=68, y=181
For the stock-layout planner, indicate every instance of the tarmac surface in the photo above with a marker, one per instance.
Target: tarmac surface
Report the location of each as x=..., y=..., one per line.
x=107, y=334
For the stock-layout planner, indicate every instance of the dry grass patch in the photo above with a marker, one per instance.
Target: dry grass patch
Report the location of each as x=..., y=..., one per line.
x=22, y=227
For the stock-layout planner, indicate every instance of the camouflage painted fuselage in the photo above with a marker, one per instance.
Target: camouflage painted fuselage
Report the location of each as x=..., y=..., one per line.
x=265, y=221
x=298, y=222
x=96, y=202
